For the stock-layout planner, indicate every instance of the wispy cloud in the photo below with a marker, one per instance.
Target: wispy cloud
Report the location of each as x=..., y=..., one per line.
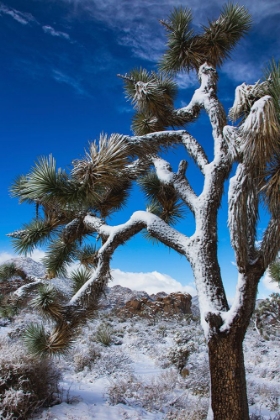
x=51, y=31
x=64, y=78
x=21, y=17
x=152, y=282
x=186, y=80
x=242, y=71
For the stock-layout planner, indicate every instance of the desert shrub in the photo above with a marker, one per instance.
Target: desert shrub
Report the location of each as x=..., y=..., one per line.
x=199, y=378
x=26, y=383
x=255, y=416
x=197, y=412
x=104, y=334
x=85, y=358
x=111, y=361
x=152, y=395
x=267, y=317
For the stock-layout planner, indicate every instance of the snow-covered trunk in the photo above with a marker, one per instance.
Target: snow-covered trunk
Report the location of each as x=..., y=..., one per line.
x=228, y=381
x=225, y=331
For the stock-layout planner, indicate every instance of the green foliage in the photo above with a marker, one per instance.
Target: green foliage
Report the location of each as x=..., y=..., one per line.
x=47, y=302
x=80, y=276
x=36, y=340
x=152, y=95
x=274, y=270
x=7, y=271
x=87, y=255
x=272, y=74
x=164, y=200
x=34, y=234
x=8, y=310
x=104, y=334
x=58, y=256
x=43, y=344
x=187, y=50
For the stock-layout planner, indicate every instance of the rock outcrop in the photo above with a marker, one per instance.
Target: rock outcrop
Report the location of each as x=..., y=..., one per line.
x=167, y=305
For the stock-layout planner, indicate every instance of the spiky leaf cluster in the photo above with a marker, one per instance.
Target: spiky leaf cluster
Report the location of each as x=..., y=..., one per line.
x=274, y=270
x=187, y=50
x=80, y=276
x=164, y=200
x=41, y=343
x=99, y=183
x=48, y=302
x=7, y=271
x=152, y=96
x=87, y=255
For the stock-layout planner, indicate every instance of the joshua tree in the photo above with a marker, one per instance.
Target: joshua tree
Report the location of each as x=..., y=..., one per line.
x=73, y=206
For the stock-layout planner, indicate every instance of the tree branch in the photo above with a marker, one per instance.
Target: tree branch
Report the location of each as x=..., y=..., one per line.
x=115, y=236
x=179, y=181
x=195, y=150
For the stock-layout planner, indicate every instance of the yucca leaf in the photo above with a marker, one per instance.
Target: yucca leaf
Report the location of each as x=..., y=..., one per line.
x=103, y=163
x=36, y=340
x=272, y=74
x=87, y=255
x=221, y=36
x=58, y=256
x=7, y=271
x=164, y=200
x=274, y=270
x=44, y=344
x=187, y=51
x=80, y=276
x=47, y=302
x=34, y=234
x=181, y=53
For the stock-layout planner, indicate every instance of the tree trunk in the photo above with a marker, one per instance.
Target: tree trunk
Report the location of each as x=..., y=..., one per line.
x=228, y=382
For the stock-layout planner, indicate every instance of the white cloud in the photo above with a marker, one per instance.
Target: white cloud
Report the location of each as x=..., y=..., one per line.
x=269, y=284
x=4, y=256
x=23, y=18
x=36, y=255
x=51, y=31
x=152, y=282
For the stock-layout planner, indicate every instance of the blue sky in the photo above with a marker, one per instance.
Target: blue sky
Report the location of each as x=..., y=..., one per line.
x=59, y=90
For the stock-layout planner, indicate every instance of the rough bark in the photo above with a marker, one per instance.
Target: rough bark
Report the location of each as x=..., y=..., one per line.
x=228, y=381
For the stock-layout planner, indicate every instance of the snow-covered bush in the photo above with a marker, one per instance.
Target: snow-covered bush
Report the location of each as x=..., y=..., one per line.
x=26, y=383
x=152, y=395
x=85, y=357
x=113, y=360
x=267, y=317
x=104, y=334
x=179, y=354
x=194, y=412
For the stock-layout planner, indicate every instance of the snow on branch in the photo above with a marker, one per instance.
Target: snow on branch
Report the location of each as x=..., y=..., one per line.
x=22, y=291
x=195, y=150
x=116, y=236
x=179, y=181
x=237, y=216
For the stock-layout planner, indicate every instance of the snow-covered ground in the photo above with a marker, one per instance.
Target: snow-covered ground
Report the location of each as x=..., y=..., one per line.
x=137, y=375
x=149, y=369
